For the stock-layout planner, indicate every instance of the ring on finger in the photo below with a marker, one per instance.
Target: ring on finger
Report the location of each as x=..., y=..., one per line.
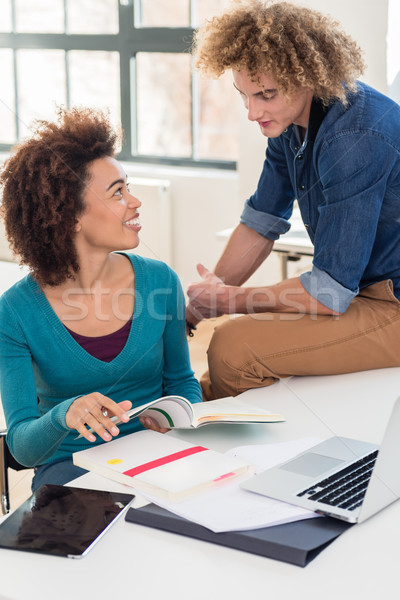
x=104, y=411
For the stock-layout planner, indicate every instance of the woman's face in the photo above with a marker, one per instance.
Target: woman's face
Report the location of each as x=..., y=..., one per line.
x=110, y=220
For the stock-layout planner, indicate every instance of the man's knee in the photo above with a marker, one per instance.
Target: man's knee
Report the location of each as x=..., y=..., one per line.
x=223, y=345
x=223, y=357
x=234, y=362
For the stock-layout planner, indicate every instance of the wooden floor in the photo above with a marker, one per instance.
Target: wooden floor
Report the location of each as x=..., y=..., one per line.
x=20, y=482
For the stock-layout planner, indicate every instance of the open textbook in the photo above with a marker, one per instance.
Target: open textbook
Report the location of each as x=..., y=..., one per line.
x=177, y=412
x=161, y=465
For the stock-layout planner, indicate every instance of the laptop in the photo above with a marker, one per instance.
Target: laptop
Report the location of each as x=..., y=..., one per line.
x=341, y=477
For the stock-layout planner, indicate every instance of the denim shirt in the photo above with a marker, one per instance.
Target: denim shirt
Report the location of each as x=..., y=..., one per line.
x=346, y=179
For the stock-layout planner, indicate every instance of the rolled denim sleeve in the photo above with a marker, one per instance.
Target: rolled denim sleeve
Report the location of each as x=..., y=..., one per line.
x=329, y=292
x=267, y=225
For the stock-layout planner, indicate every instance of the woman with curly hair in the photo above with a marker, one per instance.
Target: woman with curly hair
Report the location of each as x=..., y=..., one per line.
x=334, y=146
x=90, y=331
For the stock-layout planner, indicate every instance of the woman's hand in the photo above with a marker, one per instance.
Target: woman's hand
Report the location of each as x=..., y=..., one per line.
x=150, y=423
x=94, y=411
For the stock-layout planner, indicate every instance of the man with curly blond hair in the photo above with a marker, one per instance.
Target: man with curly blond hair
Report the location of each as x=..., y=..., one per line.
x=334, y=146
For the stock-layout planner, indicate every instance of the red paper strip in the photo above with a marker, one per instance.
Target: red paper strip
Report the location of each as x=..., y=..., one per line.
x=231, y=474
x=163, y=461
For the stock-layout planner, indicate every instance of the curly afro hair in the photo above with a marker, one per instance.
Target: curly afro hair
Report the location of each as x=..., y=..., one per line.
x=296, y=46
x=43, y=184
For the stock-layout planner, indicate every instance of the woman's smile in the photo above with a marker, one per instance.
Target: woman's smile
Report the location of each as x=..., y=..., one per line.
x=133, y=223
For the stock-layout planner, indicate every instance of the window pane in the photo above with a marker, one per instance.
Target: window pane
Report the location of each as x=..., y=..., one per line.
x=219, y=106
x=5, y=15
x=164, y=104
x=41, y=16
x=41, y=85
x=94, y=81
x=205, y=9
x=164, y=13
x=7, y=99
x=92, y=16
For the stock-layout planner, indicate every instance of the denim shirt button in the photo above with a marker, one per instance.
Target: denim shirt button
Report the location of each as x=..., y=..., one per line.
x=300, y=157
x=302, y=187
x=306, y=226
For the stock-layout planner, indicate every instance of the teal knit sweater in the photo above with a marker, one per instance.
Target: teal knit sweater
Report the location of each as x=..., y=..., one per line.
x=43, y=369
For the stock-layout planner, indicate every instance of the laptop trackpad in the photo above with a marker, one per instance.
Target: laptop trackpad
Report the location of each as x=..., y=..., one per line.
x=311, y=464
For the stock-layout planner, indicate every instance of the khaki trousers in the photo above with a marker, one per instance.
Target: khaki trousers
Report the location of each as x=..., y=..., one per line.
x=256, y=350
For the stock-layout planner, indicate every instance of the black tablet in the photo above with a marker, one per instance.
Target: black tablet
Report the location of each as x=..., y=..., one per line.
x=62, y=520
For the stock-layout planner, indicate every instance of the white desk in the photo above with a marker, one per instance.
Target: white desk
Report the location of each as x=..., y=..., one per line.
x=143, y=563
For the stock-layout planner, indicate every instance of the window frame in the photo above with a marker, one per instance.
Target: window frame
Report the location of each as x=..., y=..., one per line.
x=130, y=40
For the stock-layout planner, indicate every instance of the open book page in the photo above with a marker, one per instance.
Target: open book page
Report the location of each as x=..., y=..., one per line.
x=169, y=411
x=177, y=412
x=231, y=410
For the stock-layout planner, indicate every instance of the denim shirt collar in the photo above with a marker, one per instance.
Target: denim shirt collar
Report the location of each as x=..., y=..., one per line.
x=317, y=114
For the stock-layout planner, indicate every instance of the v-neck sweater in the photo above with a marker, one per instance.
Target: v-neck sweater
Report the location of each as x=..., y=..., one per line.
x=43, y=369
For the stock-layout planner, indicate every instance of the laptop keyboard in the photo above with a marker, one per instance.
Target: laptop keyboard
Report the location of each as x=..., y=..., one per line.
x=346, y=488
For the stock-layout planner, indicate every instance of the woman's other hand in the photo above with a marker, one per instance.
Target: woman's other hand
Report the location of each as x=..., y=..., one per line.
x=94, y=411
x=150, y=423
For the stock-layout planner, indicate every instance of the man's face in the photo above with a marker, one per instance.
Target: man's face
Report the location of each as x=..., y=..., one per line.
x=266, y=105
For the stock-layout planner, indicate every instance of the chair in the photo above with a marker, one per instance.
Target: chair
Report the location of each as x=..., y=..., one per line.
x=7, y=461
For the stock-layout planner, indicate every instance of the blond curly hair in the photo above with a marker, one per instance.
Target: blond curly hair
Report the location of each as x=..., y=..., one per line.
x=297, y=46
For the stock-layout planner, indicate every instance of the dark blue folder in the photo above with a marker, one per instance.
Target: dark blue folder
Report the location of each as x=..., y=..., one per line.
x=296, y=543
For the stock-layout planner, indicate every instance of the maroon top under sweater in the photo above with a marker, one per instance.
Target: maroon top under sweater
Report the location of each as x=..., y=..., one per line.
x=104, y=347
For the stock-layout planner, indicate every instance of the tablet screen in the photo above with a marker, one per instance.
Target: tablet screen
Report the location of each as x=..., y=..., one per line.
x=62, y=520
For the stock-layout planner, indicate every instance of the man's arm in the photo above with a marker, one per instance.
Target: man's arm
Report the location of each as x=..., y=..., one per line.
x=245, y=251
x=220, y=293
x=212, y=298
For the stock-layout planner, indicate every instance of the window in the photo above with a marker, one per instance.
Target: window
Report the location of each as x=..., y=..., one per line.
x=130, y=57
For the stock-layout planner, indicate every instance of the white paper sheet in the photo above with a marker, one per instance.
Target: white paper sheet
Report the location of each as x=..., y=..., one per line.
x=229, y=508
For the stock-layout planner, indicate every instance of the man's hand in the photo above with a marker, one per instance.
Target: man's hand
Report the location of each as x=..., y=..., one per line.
x=213, y=296
x=209, y=297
